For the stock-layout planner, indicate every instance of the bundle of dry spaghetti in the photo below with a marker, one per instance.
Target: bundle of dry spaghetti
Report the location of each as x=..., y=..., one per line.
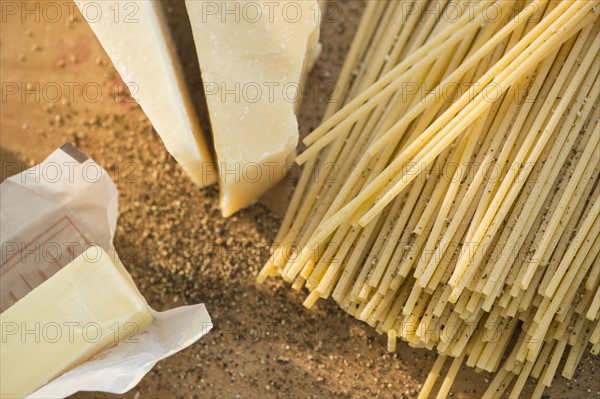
x=450, y=197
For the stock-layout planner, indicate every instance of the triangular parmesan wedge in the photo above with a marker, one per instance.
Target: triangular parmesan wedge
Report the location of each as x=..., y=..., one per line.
x=135, y=36
x=91, y=290
x=253, y=56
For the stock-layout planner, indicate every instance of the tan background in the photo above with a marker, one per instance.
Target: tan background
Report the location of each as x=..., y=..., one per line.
x=178, y=248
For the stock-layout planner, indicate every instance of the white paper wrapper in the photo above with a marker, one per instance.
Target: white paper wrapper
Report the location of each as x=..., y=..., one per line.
x=50, y=214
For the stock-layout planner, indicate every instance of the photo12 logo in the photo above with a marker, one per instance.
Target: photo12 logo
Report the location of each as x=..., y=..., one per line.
x=57, y=11
x=68, y=332
x=254, y=12
x=269, y=92
x=67, y=92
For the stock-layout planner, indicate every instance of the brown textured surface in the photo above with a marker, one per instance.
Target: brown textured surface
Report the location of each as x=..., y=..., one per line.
x=179, y=250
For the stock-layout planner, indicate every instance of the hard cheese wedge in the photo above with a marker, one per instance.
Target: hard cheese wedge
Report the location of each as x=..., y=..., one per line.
x=89, y=305
x=253, y=56
x=136, y=38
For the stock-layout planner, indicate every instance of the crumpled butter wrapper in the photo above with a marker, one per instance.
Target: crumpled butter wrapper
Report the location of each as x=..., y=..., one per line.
x=50, y=214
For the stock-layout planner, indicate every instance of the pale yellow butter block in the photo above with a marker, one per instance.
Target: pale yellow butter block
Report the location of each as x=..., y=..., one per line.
x=136, y=37
x=253, y=56
x=87, y=306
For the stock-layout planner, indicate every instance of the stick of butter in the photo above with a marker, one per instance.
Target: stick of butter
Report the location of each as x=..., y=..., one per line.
x=252, y=56
x=136, y=37
x=87, y=306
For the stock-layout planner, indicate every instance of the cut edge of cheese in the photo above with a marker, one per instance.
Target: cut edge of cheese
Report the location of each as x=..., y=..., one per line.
x=144, y=55
x=252, y=72
x=84, y=308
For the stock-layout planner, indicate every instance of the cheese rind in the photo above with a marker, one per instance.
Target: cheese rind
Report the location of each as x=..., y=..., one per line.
x=87, y=306
x=138, y=42
x=252, y=56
